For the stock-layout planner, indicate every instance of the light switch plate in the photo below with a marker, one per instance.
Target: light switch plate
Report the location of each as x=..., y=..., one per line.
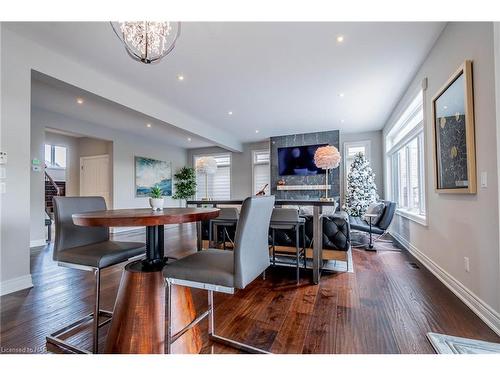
x=3, y=172
x=3, y=188
x=484, y=179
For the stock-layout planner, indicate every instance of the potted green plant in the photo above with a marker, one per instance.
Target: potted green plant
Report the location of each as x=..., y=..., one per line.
x=185, y=183
x=156, y=198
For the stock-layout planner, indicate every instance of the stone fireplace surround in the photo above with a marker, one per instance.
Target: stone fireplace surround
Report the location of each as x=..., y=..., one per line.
x=328, y=137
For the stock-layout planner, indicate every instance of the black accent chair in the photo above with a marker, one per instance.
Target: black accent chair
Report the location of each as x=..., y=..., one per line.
x=336, y=232
x=378, y=227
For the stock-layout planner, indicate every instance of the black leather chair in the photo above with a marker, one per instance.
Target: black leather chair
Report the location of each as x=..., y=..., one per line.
x=87, y=249
x=378, y=227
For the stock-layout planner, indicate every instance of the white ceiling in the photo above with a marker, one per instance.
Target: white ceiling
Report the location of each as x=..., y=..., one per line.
x=55, y=96
x=278, y=78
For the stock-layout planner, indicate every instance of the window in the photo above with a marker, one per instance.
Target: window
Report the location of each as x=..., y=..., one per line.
x=261, y=170
x=405, y=159
x=219, y=184
x=350, y=151
x=55, y=157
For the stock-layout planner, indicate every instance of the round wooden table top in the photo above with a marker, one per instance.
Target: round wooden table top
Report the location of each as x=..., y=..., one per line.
x=143, y=217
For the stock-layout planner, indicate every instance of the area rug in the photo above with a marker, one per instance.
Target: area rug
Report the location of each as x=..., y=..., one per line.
x=444, y=344
x=385, y=243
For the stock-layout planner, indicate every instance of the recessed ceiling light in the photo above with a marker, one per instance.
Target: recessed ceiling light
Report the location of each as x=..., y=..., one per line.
x=256, y=131
x=79, y=100
x=148, y=125
x=180, y=77
x=341, y=94
x=230, y=113
x=189, y=139
x=340, y=38
x=342, y=121
x=445, y=107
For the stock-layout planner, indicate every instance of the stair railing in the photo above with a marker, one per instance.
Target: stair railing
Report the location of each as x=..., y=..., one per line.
x=52, y=182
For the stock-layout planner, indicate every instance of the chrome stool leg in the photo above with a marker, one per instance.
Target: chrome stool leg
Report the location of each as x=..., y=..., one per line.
x=55, y=338
x=95, y=343
x=210, y=314
x=168, y=340
x=297, y=253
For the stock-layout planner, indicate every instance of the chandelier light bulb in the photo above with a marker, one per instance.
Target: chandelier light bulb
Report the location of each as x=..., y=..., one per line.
x=146, y=41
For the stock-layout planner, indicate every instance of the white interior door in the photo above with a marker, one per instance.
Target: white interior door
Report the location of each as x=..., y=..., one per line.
x=95, y=177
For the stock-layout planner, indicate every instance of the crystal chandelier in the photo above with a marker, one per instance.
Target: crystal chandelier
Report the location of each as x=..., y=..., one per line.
x=146, y=41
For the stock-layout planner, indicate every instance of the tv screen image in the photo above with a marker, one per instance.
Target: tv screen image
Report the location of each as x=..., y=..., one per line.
x=298, y=161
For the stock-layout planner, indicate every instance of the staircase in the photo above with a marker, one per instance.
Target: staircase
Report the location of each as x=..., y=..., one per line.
x=52, y=189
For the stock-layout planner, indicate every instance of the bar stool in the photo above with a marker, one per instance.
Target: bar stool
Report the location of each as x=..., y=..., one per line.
x=228, y=218
x=224, y=271
x=87, y=249
x=289, y=219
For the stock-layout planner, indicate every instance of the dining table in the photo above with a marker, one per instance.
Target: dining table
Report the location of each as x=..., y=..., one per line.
x=138, y=321
x=317, y=205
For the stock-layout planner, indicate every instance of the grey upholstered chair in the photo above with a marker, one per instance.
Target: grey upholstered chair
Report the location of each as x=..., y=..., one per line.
x=88, y=249
x=289, y=219
x=224, y=271
x=228, y=217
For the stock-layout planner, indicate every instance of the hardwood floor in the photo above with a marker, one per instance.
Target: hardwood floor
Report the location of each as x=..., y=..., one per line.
x=385, y=306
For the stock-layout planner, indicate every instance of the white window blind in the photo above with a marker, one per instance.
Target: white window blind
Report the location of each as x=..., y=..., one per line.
x=405, y=156
x=219, y=184
x=261, y=170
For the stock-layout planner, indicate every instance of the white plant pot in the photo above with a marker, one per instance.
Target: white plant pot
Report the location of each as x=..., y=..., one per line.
x=156, y=203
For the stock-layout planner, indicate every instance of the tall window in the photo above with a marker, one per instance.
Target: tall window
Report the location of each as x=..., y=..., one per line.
x=219, y=184
x=405, y=157
x=350, y=151
x=55, y=157
x=261, y=170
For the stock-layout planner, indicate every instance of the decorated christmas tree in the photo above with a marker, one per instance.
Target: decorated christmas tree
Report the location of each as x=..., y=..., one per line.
x=361, y=188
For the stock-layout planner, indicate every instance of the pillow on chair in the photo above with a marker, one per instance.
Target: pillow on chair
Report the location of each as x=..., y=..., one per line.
x=376, y=208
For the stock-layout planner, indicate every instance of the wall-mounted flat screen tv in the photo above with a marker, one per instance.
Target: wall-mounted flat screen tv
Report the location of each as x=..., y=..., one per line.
x=298, y=161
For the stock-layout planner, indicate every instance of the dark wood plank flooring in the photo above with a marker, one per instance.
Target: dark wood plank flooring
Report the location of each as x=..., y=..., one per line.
x=385, y=306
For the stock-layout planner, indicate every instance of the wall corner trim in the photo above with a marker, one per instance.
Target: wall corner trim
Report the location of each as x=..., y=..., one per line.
x=15, y=284
x=484, y=311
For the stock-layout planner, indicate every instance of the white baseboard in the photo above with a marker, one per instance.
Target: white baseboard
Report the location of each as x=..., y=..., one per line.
x=36, y=243
x=15, y=284
x=484, y=311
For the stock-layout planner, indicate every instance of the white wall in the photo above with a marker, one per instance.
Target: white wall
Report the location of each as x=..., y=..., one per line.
x=72, y=155
x=497, y=101
x=241, y=166
x=460, y=225
x=124, y=147
x=19, y=57
x=15, y=123
x=375, y=138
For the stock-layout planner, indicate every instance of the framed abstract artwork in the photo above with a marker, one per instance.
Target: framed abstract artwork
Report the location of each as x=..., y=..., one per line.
x=454, y=144
x=150, y=173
